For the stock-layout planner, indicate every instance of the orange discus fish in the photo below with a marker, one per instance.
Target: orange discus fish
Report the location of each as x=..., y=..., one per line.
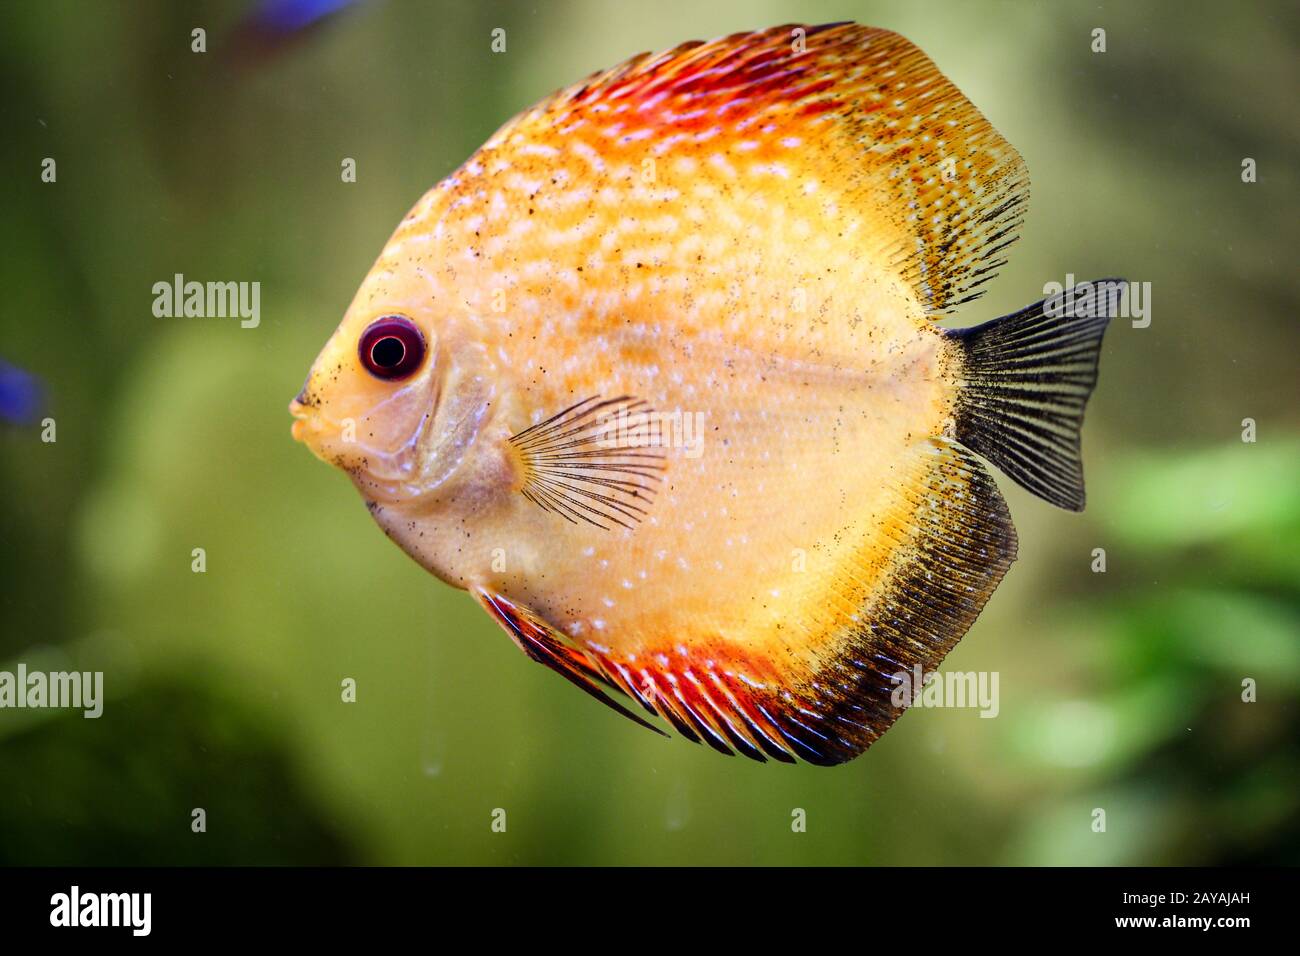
x=655, y=377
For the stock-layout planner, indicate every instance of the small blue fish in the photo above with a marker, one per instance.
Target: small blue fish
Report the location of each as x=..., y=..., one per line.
x=275, y=25
x=20, y=395
x=290, y=16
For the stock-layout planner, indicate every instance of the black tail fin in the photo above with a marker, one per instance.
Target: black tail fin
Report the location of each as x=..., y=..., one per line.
x=1026, y=379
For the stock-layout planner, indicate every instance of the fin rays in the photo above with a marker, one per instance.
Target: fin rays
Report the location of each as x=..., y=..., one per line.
x=1025, y=382
x=594, y=462
x=536, y=640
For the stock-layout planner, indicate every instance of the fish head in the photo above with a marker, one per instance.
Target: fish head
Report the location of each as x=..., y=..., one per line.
x=395, y=398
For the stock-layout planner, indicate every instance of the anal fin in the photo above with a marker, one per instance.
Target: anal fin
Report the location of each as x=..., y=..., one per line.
x=711, y=714
x=823, y=687
x=542, y=643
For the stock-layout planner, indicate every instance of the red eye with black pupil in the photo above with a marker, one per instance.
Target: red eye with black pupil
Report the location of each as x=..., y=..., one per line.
x=391, y=348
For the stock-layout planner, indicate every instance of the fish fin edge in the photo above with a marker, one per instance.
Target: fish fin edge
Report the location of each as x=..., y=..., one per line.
x=960, y=544
x=542, y=643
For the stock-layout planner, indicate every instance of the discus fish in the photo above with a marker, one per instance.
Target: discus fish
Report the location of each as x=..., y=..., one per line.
x=655, y=377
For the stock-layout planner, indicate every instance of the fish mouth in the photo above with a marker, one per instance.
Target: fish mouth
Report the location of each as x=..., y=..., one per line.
x=301, y=417
x=385, y=475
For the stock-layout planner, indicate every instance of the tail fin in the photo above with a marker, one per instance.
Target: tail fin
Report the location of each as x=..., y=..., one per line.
x=1024, y=384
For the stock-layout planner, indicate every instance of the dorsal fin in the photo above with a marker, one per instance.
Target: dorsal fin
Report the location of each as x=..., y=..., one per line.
x=941, y=192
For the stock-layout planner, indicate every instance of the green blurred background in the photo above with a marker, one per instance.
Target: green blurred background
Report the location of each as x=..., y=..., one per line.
x=1119, y=690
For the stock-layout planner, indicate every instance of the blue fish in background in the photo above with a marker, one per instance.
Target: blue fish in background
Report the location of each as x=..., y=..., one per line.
x=275, y=25
x=290, y=16
x=20, y=395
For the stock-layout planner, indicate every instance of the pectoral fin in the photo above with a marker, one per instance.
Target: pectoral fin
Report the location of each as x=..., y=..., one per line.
x=597, y=461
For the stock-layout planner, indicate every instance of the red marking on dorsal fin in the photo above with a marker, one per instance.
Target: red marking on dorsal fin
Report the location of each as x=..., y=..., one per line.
x=859, y=109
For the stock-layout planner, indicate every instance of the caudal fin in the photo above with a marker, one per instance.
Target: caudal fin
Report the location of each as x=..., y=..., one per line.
x=1025, y=380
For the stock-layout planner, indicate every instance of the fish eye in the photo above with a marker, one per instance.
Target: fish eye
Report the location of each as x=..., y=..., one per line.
x=391, y=347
